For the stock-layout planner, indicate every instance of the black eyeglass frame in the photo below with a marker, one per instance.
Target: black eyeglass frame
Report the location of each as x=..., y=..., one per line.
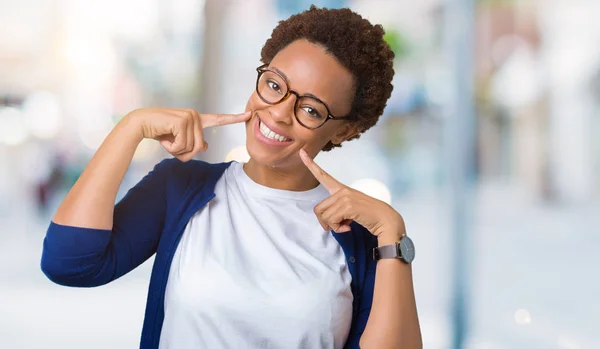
x=263, y=69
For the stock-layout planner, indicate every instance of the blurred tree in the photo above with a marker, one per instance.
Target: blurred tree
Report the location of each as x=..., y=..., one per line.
x=397, y=42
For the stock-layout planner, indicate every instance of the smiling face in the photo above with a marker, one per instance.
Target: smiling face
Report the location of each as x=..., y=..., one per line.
x=308, y=69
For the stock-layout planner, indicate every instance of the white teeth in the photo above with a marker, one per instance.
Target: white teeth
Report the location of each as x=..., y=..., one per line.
x=270, y=134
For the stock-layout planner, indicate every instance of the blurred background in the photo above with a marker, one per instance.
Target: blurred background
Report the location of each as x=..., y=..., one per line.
x=489, y=147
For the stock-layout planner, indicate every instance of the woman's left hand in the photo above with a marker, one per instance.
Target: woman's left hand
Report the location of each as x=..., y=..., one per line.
x=346, y=205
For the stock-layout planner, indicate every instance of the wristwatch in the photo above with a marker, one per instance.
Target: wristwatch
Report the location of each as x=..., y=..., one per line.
x=403, y=249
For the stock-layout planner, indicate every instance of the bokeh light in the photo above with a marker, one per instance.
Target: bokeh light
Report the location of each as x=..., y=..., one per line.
x=522, y=317
x=146, y=150
x=374, y=188
x=42, y=114
x=239, y=154
x=94, y=128
x=12, y=127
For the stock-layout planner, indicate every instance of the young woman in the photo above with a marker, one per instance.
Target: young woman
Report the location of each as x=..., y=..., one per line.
x=272, y=253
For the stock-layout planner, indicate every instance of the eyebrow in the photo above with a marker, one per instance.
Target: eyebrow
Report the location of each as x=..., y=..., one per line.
x=281, y=73
x=287, y=80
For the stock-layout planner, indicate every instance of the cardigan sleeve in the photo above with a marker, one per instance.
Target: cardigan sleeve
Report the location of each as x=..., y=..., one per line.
x=365, y=293
x=85, y=257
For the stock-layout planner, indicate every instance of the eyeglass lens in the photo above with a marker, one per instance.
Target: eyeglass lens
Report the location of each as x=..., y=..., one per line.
x=273, y=89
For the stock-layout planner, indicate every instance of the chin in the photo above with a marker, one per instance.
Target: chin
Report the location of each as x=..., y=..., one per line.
x=261, y=157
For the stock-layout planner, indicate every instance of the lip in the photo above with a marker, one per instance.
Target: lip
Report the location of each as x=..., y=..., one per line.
x=274, y=128
x=266, y=140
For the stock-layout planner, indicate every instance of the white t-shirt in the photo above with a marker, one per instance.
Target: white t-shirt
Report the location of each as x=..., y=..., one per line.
x=255, y=269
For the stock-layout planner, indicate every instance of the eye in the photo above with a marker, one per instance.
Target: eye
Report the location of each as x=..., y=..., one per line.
x=311, y=111
x=274, y=86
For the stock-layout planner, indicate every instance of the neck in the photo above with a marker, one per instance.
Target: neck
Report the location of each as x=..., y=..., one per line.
x=296, y=178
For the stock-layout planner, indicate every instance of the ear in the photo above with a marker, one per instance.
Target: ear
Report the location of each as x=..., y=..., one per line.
x=346, y=131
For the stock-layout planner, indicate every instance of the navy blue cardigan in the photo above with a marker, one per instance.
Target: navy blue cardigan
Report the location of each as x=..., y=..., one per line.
x=150, y=219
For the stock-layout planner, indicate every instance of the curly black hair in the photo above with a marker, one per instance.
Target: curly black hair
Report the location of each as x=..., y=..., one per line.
x=356, y=43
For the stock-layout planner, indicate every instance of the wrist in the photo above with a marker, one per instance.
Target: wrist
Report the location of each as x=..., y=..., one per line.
x=391, y=232
x=132, y=126
x=389, y=238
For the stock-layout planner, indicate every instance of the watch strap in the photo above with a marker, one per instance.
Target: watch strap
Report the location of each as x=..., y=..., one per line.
x=387, y=251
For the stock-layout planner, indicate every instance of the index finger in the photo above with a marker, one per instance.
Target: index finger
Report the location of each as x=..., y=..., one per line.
x=330, y=183
x=210, y=120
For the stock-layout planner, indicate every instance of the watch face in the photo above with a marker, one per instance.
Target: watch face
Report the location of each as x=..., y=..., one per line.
x=408, y=249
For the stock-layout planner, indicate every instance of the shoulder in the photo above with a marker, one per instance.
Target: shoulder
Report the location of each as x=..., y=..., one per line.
x=192, y=166
x=190, y=172
x=181, y=178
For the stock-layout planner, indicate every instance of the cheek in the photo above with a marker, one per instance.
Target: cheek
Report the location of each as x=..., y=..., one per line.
x=250, y=104
x=255, y=103
x=317, y=139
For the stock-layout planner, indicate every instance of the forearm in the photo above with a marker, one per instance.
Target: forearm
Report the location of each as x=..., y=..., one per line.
x=393, y=321
x=90, y=202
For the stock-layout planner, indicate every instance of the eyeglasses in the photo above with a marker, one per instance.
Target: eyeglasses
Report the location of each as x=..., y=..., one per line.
x=273, y=89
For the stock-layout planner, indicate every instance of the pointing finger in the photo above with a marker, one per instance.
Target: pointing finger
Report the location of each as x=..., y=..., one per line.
x=330, y=183
x=210, y=120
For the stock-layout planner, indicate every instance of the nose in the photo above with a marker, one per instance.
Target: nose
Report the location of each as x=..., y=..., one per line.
x=284, y=111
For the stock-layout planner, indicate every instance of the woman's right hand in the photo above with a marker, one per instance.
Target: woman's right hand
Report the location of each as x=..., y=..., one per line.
x=179, y=131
